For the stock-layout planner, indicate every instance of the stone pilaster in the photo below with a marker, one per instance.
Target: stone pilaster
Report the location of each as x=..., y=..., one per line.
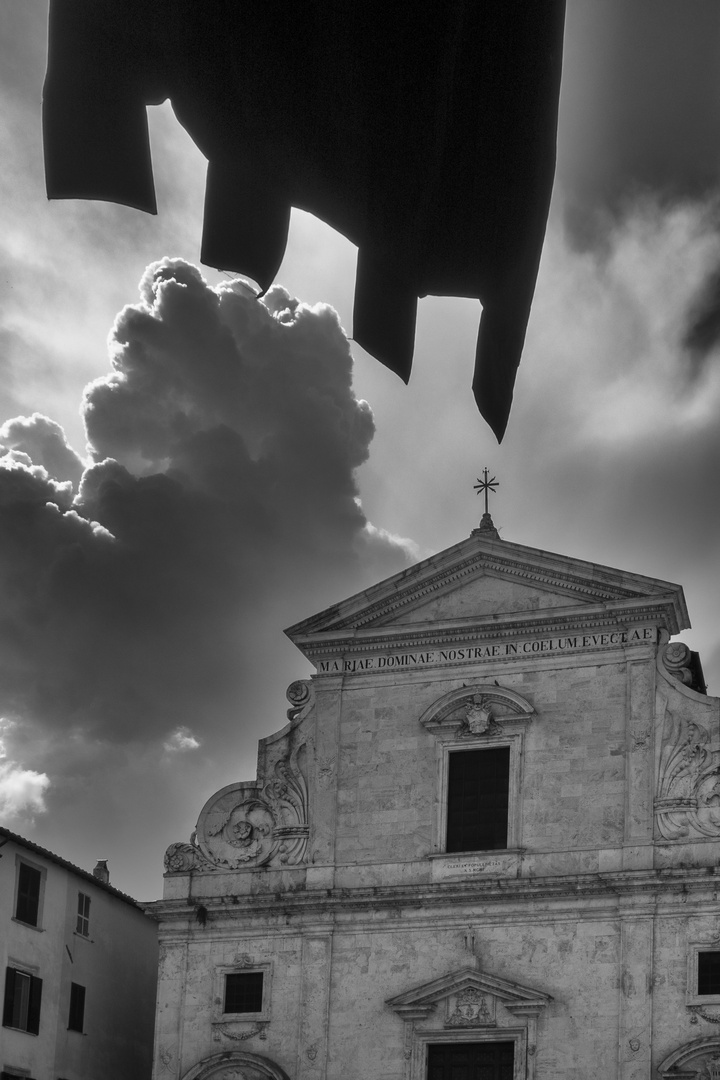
x=635, y=997
x=314, y=1006
x=639, y=770
x=321, y=853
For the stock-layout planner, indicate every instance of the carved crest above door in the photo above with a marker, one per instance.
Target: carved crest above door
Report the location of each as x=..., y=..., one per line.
x=469, y=1005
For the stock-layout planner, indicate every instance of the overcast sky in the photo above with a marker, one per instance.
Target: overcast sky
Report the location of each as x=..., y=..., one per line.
x=237, y=466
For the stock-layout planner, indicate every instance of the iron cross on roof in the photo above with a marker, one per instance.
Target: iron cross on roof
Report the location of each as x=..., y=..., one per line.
x=486, y=485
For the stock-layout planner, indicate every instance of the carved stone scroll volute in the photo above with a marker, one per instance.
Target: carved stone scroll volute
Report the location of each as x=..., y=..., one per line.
x=688, y=791
x=183, y=857
x=287, y=796
x=301, y=695
x=248, y=825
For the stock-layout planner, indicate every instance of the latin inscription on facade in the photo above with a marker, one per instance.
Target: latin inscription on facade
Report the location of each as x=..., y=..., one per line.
x=475, y=865
x=490, y=651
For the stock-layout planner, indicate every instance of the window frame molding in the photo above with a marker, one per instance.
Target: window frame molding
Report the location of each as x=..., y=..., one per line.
x=513, y=740
x=221, y=1017
x=509, y=715
x=694, y=949
x=86, y=918
x=22, y=860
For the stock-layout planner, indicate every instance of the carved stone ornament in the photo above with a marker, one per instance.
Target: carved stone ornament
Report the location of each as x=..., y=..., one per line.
x=241, y=1036
x=300, y=695
x=248, y=825
x=236, y=1065
x=688, y=791
x=700, y=1010
x=710, y=1069
x=476, y=710
x=325, y=772
x=471, y=994
x=472, y=1009
x=183, y=856
x=478, y=716
x=165, y=1059
x=676, y=658
x=697, y=1060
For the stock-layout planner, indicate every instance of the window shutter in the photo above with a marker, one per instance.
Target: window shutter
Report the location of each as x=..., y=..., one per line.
x=83, y=915
x=28, y=895
x=77, y=1007
x=9, y=996
x=33, y=1023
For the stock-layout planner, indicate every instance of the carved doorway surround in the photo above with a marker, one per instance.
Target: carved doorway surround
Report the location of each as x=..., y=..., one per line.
x=696, y=1060
x=469, y=1006
x=236, y=1065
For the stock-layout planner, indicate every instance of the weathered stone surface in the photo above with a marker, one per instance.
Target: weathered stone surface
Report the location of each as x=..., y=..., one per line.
x=575, y=942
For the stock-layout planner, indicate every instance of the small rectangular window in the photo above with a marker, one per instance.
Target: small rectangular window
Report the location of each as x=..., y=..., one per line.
x=77, y=1007
x=477, y=803
x=83, y=915
x=244, y=992
x=708, y=973
x=23, y=993
x=27, y=905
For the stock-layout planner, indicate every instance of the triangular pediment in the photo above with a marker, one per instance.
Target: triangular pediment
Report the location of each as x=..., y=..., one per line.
x=484, y=579
x=489, y=593
x=467, y=983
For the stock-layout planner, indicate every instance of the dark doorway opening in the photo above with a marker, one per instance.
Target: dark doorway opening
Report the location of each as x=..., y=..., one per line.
x=471, y=1061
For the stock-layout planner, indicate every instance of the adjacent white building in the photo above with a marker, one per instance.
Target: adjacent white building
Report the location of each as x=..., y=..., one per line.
x=79, y=962
x=485, y=846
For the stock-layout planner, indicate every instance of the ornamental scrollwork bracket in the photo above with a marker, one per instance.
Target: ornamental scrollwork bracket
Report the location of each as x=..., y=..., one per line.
x=688, y=790
x=300, y=694
x=247, y=825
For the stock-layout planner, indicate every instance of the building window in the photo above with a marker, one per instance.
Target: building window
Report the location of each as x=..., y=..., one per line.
x=477, y=799
x=243, y=992
x=77, y=1007
x=27, y=903
x=708, y=973
x=83, y=915
x=22, y=1001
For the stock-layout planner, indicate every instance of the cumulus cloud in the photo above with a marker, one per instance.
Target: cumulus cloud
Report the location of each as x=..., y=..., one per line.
x=219, y=498
x=44, y=443
x=22, y=791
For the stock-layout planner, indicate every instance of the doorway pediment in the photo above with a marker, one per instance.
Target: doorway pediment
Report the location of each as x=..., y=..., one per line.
x=470, y=1006
x=474, y=995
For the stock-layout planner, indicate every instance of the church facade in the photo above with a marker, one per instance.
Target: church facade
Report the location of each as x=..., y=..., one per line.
x=484, y=847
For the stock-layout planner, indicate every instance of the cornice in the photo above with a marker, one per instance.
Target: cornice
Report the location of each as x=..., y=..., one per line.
x=327, y=643
x=554, y=581
x=645, y=885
